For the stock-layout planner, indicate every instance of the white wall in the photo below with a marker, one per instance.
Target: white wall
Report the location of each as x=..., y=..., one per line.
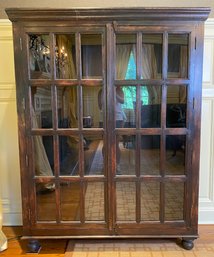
x=9, y=164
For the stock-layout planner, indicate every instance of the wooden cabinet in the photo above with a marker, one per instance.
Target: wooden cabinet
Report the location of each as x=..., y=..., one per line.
x=109, y=121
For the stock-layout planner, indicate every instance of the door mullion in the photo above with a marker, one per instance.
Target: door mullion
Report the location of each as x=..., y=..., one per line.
x=110, y=57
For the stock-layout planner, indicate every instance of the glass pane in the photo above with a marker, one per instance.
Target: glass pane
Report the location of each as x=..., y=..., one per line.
x=152, y=56
x=174, y=201
x=176, y=106
x=39, y=56
x=175, y=154
x=126, y=201
x=69, y=155
x=41, y=112
x=125, y=56
x=92, y=107
x=125, y=107
x=125, y=155
x=67, y=107
x=150, y=106
x=150, y=155
x=150, y=201
x=178, y=55
x=94, y=201
x=91, y=56
x=70, y=201
x=45, y=202
x=65, y=57
x=93, y=155
x=43, y=155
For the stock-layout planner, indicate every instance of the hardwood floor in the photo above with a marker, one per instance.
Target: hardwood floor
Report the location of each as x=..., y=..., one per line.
x=204, y=246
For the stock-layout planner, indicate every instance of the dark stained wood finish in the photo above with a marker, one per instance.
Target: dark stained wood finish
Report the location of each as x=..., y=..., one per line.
x=108, y=23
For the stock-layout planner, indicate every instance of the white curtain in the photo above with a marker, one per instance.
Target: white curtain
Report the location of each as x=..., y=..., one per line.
x=149, y=71
x=122, y=59
x=3, y=239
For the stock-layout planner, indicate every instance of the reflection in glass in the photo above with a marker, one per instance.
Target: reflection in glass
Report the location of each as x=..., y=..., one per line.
x=125, y=113
x=45, y=203
x=178, y=55
x=152, y=56
x=176, y=106
x=175, y=154
x=94, y=201
x=174, y=201
x=39, y=56
x=68, y=155
x=70, y=201
x=125, y=56
x=91, y=55
x=43, y=155
x=67, y=107
x=150, y=106
x=125, y=155
x=126, y=201
x=41, y=111
x=150, y=201
x=65, y=59
x=93, y=155
x=150, y=155
x=92, y=107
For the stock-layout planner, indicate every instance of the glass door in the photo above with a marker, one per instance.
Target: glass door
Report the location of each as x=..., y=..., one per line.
x=110, y=132
x=151, y=132
x=67, y=130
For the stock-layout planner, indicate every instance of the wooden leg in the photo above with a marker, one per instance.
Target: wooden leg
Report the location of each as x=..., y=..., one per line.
x=187, y=243
x=33, y=246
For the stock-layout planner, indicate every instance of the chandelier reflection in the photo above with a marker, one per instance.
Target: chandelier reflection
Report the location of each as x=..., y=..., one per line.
x=40, y=55
x=61, y=59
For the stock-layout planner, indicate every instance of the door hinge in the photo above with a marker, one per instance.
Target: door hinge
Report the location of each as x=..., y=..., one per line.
x=195, y=43
x=20, y=43
x=23, y=103
x=193, y=103
x=26, y=160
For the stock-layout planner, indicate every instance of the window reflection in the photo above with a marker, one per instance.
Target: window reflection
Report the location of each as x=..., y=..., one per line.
x=125, y=56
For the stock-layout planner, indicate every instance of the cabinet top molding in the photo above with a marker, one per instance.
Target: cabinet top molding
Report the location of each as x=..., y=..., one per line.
x=108, y=14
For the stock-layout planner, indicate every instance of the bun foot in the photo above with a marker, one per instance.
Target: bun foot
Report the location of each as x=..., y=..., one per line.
x=34, y=246
x=187, y=244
